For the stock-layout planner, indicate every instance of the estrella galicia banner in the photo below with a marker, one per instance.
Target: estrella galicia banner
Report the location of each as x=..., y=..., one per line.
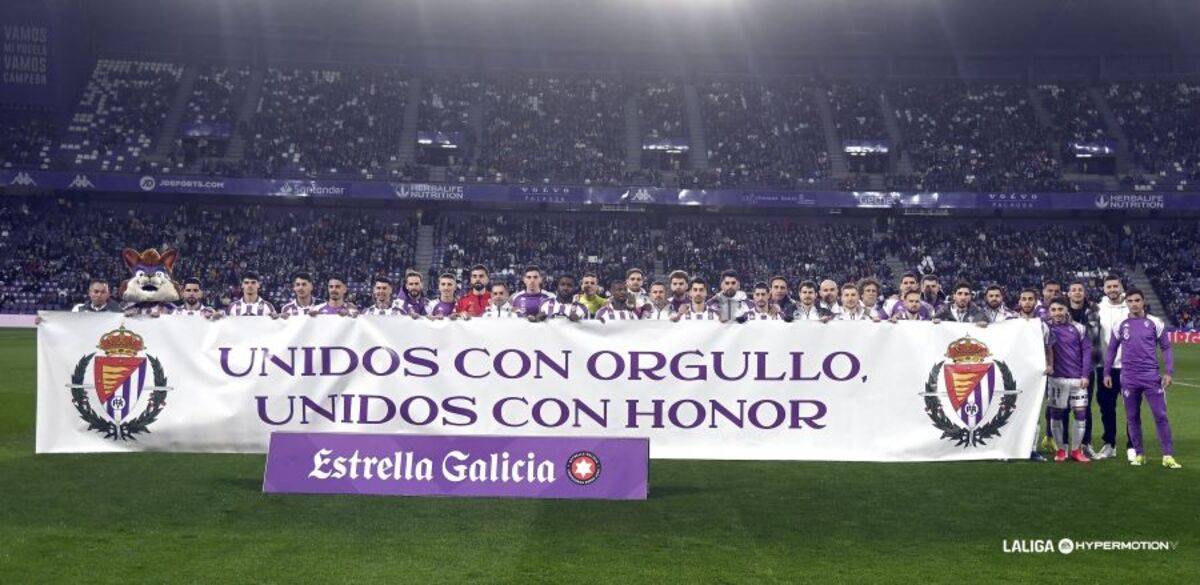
x=849, y=391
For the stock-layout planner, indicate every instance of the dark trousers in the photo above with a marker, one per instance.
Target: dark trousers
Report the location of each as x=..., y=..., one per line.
x=1108, y=398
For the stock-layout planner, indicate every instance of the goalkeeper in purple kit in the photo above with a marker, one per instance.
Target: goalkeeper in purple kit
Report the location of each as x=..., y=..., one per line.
x=1138, y=338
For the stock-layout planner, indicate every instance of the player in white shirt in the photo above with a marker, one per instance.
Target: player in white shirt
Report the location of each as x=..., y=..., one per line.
x=635, y=282
x=381, y=291
x=697, y=308
x=994, y=309
x=679, y=289
x=621, y=306
x=659, y=308
x=1027, y=309
x=499, y=307
x=761, y=307
x=852, y=307
x=807, y=308
x=251, y=305
x=1112, y=310
x=192, y=301
x=869, y=289
x=564, y=305
x=303, y=303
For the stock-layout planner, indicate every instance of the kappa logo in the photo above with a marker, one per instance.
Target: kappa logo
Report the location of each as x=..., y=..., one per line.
x=583, y=468
x=81, y=182
x=968, y=386
x=119, y=384
x=642, y=196
x=147, y=183
x=24, y=180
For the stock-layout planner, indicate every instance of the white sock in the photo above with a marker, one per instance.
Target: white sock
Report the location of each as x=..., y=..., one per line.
x=1056, y=428
x=1080, y=428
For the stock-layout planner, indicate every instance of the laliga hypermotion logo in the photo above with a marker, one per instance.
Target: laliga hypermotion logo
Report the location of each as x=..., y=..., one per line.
x=119, y=378
x=968, y=386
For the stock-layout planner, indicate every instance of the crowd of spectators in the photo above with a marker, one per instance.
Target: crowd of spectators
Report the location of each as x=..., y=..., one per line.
x=1159, y=120
x=571, y=128
x=27, y=140
x=857, y=111
x=554, y=129
x=764, y=135
x=759, y=248
x=50, y=248
x=1170, y=254
x=1072, y=112
x=119, y=115
x=974, y=137
x=1013, y=255
x=327, y=123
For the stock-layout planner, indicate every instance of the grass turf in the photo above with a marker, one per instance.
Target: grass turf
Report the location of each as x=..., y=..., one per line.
x=201, y=518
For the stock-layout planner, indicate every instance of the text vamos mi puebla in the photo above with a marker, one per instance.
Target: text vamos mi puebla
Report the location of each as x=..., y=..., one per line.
x=456, y=373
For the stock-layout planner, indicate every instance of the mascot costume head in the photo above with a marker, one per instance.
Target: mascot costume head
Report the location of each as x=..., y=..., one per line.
x=150, y=280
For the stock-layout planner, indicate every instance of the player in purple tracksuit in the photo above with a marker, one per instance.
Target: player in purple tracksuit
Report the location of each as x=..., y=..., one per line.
x=529, y=301
x=1068, y=382
x=413, y=302
x=912, y=308
x=1138, y=338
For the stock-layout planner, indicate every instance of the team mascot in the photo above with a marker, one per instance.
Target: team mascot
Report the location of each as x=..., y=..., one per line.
x=151, y=289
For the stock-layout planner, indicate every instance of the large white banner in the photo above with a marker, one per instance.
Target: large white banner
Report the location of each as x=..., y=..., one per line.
x=850, y=391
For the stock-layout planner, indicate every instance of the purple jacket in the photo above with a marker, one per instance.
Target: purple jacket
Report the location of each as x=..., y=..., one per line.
x=1072, y=350
x=1138, y=338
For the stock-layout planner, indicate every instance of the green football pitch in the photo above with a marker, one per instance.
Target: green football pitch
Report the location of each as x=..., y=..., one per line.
x=156, y=517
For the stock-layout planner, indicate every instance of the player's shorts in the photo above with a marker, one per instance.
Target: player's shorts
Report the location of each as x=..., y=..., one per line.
x=1063, y=393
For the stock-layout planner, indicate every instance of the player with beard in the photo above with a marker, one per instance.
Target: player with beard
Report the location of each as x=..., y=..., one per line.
x=660, y=308
x=961, y=309
x=381, y=292
x=443, y=306
x=852, y=307
x=251, y=305
x=761, y=307
x=303, y=303
x=337, y=304
x=994, y=309
x=931, y=292
x=589, y=295
x=1110, y=312
x=829, y=297
x=869, y=288
x=807, y=308
x=635, y=281
x=679, y=289
x=1051, y=289
x=192, y=298
x=913, y=309
x=1138, y=338
x=621, y=306
x=529, y=301
x=412, y=302
x=1066, y=389
x=731, y=303
x=476, y=300
x=563, y=305
x=697, y=308
x=499, y=307
x=1083, y=311
x=907, y=282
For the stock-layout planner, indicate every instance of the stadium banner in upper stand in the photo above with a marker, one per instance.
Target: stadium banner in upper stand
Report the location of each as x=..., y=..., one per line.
x=205, y=130
x=865, y=147
x=597, y=468
x=574, y=194
x=844, y=391
x=1092, y=148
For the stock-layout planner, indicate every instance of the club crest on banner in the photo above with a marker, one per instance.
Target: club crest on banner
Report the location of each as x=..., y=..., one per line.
x=966, y=385
x=127, y=405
